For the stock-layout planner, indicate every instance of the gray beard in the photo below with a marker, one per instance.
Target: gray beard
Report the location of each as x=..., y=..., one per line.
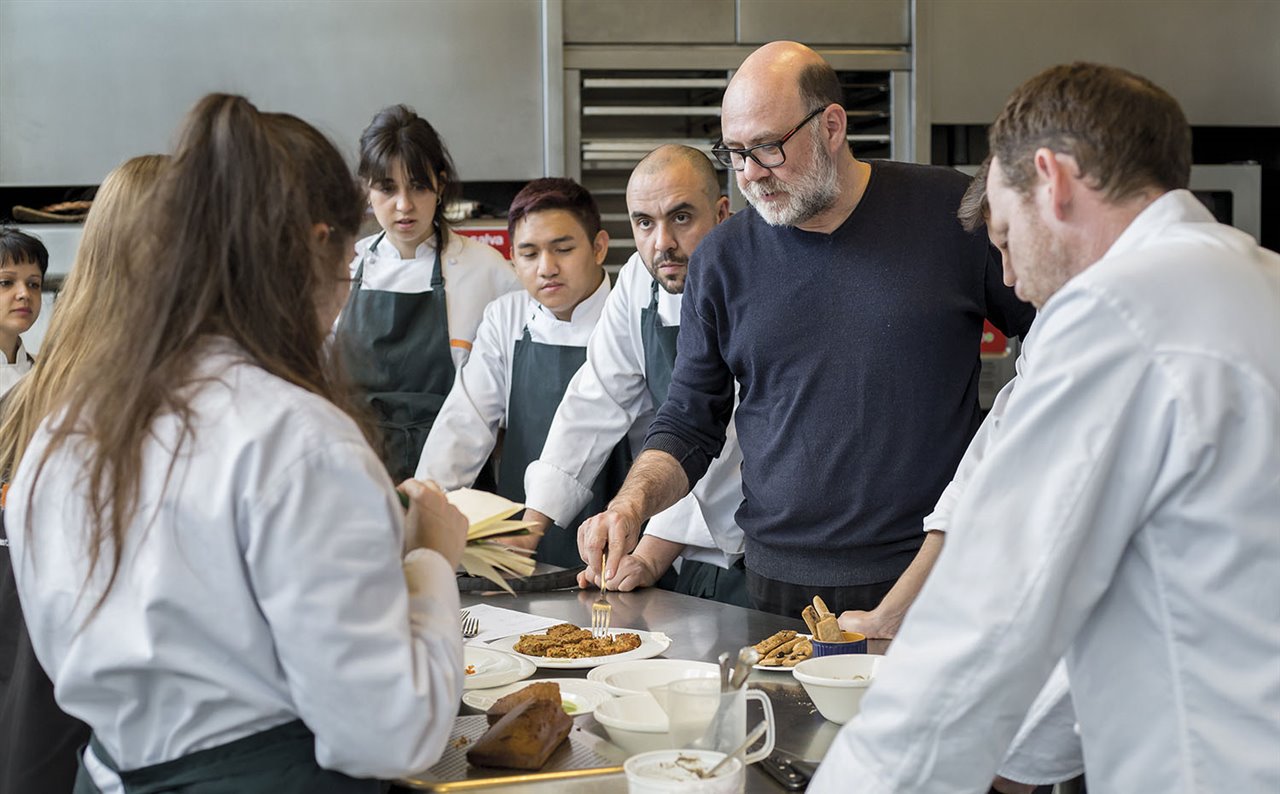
x=810, y=195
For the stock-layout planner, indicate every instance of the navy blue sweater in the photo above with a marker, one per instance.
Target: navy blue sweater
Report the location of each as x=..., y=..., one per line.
x=857, y=358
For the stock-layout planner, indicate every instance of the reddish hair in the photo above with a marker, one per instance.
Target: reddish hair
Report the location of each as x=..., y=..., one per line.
x=556, y=193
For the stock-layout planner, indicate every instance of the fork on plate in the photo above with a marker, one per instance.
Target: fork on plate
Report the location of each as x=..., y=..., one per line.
x=601, y=610
x=470, y=625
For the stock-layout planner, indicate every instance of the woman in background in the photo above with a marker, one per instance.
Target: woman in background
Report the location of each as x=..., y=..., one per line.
x=208, y=551
x=418, y=290
x=38, y=742
x=23, y=262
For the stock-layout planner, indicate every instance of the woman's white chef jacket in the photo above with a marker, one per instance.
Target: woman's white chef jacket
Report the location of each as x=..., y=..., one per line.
x=1134, y=491
x=10, y=374
x=261, y=582
x=606, y=398
x=474, y=274
x=467, y=429
x=1046, y=748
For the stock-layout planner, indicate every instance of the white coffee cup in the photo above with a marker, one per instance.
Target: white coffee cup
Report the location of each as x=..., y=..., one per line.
x=676, y=772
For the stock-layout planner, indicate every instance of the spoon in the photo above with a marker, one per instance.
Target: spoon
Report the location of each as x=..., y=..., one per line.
x=747, y=658
x=726, y=671
x=753, y=736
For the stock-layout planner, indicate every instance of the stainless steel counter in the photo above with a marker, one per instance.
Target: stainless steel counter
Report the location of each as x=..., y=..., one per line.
x=700, y=630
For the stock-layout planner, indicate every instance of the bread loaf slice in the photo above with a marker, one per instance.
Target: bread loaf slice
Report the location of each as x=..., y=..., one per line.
x=523, y=739
x=540, y=690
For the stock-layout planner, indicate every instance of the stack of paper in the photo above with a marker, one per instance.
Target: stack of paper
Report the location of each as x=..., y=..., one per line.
x=489, y=517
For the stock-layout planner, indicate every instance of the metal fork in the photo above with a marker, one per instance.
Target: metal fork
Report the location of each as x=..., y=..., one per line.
x=600, y=610
x=470, y=625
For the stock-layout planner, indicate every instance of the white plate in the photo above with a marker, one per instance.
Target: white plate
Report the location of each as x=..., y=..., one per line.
x=652, y=643
x=637, y=677
x=781, y=669
x=583, y=695
x=494, y=668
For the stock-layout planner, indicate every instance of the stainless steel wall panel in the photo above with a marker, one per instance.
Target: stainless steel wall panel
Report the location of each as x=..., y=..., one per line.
x=1220, y=59
x=651, y=21
x=86, y=84
x=883, y=22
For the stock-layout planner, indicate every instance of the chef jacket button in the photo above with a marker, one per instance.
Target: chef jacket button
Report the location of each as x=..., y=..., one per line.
x=453, y=261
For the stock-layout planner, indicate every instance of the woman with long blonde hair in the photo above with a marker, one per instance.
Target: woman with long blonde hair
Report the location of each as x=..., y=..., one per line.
x=38, y=742
x=209, y=552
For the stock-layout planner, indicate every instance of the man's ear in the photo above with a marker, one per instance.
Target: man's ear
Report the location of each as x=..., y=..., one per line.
x=722, y=209
x=601, y=246
x=1057, y=174
x=835, y=126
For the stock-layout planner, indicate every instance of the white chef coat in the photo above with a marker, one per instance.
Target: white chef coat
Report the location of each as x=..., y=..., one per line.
x=478, y=404
x=474, y=274
x=1133, y=496
x=606, y=399
x=261, y=582
x=10, y=374
x=1046, y=748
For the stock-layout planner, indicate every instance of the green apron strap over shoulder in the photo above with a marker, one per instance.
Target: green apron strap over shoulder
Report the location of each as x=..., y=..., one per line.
x=659, y=349
x=540, y=374
x=395, y=348
x=280, y=760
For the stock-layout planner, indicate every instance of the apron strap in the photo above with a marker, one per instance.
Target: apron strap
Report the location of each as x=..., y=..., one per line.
x=360, y=267
x=653, y=296
x=437, y=273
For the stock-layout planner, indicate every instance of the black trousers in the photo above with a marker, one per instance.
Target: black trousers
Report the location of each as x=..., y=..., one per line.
x=785, y=598
x=38, y=742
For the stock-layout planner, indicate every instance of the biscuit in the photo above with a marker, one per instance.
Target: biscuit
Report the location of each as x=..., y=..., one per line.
x=765, y=646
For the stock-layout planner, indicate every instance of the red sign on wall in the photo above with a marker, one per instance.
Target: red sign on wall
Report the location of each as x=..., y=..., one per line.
x=994, y=343
x=495, y=236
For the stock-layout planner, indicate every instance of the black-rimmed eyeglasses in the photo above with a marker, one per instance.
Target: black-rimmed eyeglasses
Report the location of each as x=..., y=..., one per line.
x=766, y=155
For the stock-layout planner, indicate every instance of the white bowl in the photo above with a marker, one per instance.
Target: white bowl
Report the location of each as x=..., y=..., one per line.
x=836, y=684
x=632, y=678
x=672, y=772
x=636, y=723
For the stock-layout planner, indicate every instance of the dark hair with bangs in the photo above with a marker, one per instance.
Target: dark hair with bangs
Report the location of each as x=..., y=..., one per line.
x=225, y=245
x=398, y=133
x=17, y=247
x=556, y=193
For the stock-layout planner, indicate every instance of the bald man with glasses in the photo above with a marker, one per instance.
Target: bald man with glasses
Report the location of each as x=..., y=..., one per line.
x=847, y=304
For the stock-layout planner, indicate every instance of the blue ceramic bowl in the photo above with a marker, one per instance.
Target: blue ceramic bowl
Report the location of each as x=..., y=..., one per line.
x=852, y=643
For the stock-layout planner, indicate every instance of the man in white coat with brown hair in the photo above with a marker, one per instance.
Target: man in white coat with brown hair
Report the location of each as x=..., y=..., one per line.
x=1128, y=507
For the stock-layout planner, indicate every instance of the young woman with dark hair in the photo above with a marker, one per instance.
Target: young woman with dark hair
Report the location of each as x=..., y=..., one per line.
x=417, y=290
x=211, y=558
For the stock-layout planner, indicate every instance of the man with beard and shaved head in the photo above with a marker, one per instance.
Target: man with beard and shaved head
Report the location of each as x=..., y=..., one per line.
x=847, y=305
x=673, y=199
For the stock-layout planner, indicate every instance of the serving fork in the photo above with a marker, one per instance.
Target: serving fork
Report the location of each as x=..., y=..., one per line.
x=601, y=610
x=470, y=625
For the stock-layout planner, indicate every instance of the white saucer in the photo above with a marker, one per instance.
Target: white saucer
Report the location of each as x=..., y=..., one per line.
x=494, y=668
x=579, y=696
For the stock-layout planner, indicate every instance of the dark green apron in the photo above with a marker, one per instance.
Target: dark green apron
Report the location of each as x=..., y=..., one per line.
x=659, y=350
x=280, y=760
x=395, y=348
x=540, y=373
x=728, y=586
